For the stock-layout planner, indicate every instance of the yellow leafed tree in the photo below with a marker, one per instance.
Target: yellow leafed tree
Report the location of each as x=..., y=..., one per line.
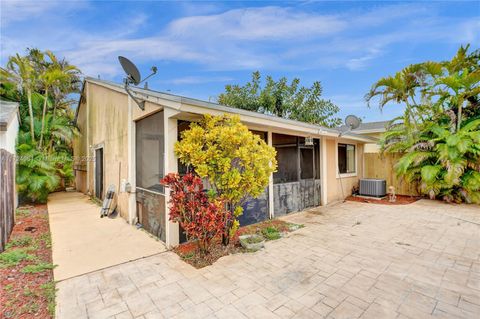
x=235, y=162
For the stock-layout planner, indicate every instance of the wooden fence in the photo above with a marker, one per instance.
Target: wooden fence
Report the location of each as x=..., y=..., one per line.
x=7, y=196
x=381, y=166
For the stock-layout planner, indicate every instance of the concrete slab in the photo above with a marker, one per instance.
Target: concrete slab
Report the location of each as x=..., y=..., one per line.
x=83, y=242
x=351, y=260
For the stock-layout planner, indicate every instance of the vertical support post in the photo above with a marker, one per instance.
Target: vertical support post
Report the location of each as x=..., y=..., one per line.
x=323, y=170
x=87, y=151
x=170, y=166
x=131, y=175
x=271, y=211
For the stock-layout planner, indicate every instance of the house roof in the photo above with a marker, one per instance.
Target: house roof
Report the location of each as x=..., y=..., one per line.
x=368, y=127
x=149, y=93
x=8, y=111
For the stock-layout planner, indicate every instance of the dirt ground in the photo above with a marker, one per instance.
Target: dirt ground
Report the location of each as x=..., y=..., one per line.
x=26, y=274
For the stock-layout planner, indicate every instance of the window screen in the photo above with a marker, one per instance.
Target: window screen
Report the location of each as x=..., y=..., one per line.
x=306, y=163
x=346, y=158
x=181, y=127
x=287, y=158
x=316, y=143
x=150, y=152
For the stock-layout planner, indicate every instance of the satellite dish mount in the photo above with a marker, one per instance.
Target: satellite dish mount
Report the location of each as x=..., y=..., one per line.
x=134, y=78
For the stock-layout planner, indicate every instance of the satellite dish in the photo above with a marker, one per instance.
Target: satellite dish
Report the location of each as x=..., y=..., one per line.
x=352, y=122
x=134, y=77
x=130, y=69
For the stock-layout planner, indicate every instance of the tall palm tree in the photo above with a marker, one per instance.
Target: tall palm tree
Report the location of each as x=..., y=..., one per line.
x=20, y=71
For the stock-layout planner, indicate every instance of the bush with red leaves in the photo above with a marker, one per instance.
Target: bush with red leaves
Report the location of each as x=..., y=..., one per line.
x=202, y=218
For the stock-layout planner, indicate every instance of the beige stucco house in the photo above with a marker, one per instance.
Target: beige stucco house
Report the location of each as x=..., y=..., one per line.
x=130, y=148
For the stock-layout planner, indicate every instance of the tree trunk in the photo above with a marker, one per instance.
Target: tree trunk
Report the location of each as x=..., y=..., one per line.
x=43, y=117
x=30, y=113
x=459, y=115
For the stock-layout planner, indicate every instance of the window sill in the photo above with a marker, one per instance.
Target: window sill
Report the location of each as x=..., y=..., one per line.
x=346, y=175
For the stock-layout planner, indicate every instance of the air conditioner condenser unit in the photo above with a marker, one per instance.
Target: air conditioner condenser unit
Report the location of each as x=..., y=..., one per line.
x=373, y=187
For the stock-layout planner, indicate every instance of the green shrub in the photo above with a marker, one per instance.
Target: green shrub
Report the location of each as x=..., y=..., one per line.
x=49, y=291
x=19, y=242
x=271, y=233
x=14, y=257
x=40, y=267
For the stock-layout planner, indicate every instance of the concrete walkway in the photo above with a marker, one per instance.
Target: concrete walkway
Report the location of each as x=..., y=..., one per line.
x=350, y=261
x=83, y=242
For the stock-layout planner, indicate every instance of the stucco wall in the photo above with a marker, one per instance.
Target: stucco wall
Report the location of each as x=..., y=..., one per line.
x=8, y=137
x=7, y=142
x=334, y=185
x=103, y=119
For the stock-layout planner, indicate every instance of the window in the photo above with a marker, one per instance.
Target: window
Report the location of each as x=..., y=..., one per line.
x=306, y=163
x=181, y=127
x=149, y=152
x=346, y=158
x=316, y=148
x=287, y=158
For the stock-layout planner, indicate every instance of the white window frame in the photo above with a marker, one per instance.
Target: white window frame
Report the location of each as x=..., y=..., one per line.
x=354, y=174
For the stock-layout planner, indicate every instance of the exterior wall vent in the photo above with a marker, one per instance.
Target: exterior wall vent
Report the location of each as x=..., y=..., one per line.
x=373, y=187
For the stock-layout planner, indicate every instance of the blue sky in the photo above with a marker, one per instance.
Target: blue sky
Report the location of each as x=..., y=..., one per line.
x=199, y=46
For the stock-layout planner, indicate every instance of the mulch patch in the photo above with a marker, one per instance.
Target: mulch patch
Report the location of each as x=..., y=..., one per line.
x=189, y=253
x=401, y=200
x=28, y=294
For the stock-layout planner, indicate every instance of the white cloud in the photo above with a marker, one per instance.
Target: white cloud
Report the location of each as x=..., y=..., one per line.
x=362, y=62
x=265, y=23
x=252, y=38
x=21, y=10
x=197, y=80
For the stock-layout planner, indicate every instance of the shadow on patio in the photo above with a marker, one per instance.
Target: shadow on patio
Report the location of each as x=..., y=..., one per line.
x=83, y=242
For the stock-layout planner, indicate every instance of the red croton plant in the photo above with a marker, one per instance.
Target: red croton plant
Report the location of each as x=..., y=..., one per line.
x=202, y=218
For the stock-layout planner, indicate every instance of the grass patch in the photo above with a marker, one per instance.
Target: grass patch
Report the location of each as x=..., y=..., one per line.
x=22, y=212
x=22, y=241
x=188, y=255
x=31, y=308
x=47, y=239
x=28, y=292
x=271, y=233
x=40, y=267
x=49, y=292
x=14, y=257
x=8, y=287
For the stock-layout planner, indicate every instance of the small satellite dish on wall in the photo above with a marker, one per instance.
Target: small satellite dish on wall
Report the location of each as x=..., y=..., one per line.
x=352, y=122
x=133, y=77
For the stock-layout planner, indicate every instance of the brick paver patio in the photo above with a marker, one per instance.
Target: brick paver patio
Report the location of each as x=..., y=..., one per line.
x=353, y=260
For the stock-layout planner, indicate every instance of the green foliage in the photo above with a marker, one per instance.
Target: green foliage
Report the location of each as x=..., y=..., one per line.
x=14, y=257
x=21, y=212
x=291, y=101
x=19, y=242
x=439, y=133
x=47, y=239
x=42, y=84
x=235, y=162
x=271, y=233
x=49, y=291
x=36, y=268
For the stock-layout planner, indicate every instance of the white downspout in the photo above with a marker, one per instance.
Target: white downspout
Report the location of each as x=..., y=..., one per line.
x=132, y=205
x=271, y=211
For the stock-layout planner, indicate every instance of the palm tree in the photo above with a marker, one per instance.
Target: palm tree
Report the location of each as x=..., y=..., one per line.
x=441, y=151
x=20, y=71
